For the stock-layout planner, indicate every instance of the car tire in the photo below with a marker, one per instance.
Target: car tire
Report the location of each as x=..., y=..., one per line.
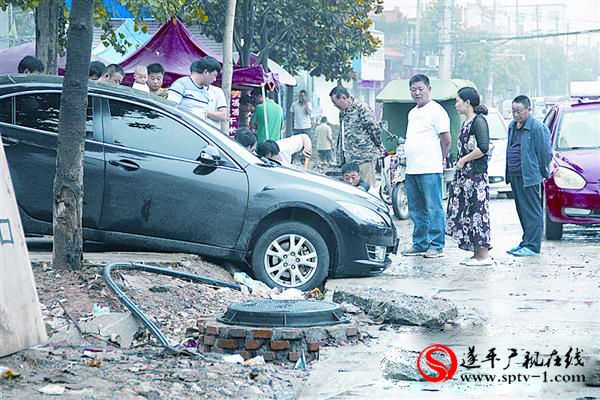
x=400, y=201
x=308, y=273
x=385, y=196
x=553, y=230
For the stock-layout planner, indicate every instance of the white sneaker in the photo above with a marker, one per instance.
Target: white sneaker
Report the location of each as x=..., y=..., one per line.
x=479, y=263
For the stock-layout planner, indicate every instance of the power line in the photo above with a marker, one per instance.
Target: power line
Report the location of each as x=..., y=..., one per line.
x=522, y=37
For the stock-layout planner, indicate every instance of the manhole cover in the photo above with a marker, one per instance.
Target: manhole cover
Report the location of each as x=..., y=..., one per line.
x=293, y=313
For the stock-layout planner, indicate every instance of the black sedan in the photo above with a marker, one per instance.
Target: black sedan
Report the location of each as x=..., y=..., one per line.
x=156, y=177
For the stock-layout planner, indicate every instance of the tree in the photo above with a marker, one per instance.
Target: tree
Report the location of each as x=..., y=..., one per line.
x=320, y=36
x=227, y=72
x=68, y=182
x=46, y=34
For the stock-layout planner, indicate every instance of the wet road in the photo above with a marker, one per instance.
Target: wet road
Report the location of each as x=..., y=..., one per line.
x=545, y=303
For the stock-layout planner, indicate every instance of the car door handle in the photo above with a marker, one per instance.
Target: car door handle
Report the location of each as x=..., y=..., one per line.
x=8, y=141
x=125, y=164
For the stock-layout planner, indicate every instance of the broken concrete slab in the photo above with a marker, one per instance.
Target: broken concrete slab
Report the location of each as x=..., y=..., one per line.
x=119, y=327
x=593, y=377
x=398, y=308
x=122, y=327
x=400, y=364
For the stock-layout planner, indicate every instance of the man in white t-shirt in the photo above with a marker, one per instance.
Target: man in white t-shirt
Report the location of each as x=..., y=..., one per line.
x=300, y=112
x=197, y=94
x=426, y=148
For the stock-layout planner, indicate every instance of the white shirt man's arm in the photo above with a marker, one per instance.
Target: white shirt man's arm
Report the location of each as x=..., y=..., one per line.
x=221, y=102
x=176, y=92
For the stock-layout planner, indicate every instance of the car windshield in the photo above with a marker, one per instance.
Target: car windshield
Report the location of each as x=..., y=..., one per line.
x=579, y=130
x=496, y=125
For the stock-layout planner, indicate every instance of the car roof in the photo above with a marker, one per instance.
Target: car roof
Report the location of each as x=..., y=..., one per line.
x=581, y=104
x=19, y=82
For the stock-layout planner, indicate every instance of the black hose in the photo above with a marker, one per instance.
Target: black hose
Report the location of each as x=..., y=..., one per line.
x=123, y=298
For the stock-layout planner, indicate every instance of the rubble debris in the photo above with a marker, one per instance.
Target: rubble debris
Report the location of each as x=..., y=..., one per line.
x=593, y=378
x=257, y=288
x=349, y=308
x=395, y=307
x=234, y=359
x=52, y=389
x=8, y=373
x=400, y=364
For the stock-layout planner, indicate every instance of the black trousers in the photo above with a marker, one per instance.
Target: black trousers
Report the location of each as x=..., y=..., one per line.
x=529, y=208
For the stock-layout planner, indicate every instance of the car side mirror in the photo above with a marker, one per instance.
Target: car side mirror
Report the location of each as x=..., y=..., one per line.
x=210, y=156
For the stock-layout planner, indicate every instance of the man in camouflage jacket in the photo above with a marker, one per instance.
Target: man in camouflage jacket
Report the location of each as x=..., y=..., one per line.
x=359, y=140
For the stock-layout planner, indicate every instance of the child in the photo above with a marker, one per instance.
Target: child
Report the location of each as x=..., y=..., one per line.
x=141, y=77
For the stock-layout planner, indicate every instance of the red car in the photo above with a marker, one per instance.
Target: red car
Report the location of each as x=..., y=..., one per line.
x=572, y=194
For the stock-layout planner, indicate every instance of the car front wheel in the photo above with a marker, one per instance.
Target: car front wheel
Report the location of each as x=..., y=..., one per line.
x=291, y=255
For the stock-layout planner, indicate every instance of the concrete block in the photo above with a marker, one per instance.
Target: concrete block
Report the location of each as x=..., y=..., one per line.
x=399, y=308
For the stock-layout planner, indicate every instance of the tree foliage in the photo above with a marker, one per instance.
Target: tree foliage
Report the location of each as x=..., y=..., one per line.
x=161, y=10
x=320, y=36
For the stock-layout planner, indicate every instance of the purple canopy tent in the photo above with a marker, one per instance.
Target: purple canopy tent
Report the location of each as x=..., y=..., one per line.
x=10, y=58
x=174, y=47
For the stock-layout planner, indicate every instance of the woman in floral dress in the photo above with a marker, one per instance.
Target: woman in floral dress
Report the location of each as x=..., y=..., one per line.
x=468, y=216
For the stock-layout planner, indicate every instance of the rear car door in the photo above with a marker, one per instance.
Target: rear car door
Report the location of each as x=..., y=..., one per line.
x=30, y=136
x=155, y=187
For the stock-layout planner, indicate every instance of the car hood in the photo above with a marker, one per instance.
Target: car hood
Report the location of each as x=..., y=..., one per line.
x=585, y=162
x=287, y=177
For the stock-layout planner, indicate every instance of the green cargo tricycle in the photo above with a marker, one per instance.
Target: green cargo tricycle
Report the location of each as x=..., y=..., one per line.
x=397, y=102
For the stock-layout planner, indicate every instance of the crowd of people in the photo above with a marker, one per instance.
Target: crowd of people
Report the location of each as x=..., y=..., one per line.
x=358, y=146
x=428, y=139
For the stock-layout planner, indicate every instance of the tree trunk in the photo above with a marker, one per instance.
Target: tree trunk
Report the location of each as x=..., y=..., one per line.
x=227, y=73
x=46, y=35
x=289, y=99
x=68, y=182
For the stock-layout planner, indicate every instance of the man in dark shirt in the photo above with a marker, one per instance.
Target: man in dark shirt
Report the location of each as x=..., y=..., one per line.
x=351, y=175
x=528, y=155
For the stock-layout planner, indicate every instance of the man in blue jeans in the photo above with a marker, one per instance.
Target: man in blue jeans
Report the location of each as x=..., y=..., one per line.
x=426, y=147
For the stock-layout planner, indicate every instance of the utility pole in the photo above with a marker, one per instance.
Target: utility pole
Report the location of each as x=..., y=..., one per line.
x=490, y=64
x=539, y=56
x=445, y=36
x=516, y=17
x=567, y=57
x=417, y=44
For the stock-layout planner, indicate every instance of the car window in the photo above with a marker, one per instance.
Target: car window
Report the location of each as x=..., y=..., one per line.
x=496, y=126
x=42, y=110
x=6, y=110
x=579, y=130
x=142, y=128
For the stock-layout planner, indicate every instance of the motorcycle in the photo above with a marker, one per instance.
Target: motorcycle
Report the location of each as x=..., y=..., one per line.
x=393, y=172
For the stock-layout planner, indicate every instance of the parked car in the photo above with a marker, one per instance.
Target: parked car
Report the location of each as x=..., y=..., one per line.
x=156, y=177
x=497, y=163
x=572, y=194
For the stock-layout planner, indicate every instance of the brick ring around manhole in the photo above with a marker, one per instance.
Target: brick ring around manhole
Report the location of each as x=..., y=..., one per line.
x=292, y=313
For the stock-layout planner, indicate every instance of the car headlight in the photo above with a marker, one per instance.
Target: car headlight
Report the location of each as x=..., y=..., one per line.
x=363, y=213
x=566, y=178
